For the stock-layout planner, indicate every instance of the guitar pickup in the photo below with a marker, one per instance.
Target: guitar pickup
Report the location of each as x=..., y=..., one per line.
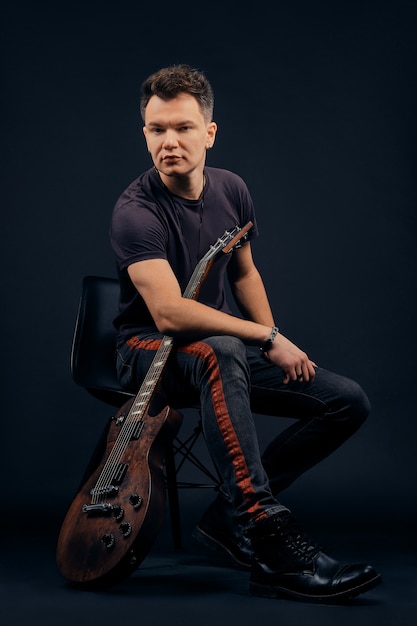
x=138, y=429
x=119, y=474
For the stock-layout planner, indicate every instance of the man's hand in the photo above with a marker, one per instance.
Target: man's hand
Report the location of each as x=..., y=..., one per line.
x=294, y=362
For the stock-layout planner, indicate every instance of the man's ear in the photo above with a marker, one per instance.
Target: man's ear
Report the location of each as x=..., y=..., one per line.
x=145, y=132
x=211, y=134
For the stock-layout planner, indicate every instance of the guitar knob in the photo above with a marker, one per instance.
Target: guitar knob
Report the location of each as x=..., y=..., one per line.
x=125, y=528
x=136, y=500
x=117, y=512
x=108, y=540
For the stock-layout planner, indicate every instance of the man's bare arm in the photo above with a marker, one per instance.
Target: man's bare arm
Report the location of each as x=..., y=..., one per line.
x=181, y=317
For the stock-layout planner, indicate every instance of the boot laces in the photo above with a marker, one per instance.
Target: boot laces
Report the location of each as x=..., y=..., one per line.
x=295, y=538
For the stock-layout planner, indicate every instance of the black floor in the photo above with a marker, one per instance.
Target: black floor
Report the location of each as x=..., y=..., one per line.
x=194, y=586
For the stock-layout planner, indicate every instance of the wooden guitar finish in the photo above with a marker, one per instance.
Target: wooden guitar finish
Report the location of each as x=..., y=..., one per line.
x=116, y=515
x=103, y=542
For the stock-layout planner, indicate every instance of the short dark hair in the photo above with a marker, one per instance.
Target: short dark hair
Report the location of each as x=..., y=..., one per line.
x=170, y=81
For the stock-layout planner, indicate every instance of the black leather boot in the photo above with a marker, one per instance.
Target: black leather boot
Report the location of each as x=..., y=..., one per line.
x=217, y=530
x=286, y=564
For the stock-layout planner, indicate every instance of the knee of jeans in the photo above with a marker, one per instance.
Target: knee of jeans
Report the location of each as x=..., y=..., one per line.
x=226, y=346
x=357, y=403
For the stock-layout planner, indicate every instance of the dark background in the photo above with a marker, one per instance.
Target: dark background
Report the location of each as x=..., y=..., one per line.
x=316, y=108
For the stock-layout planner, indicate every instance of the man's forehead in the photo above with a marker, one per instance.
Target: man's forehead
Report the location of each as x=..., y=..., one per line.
x=183, y=106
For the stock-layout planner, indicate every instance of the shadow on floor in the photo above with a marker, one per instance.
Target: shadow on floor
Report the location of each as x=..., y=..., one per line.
x=196, y=587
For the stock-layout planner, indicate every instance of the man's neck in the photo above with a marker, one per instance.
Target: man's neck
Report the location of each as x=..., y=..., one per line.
x=188, y=187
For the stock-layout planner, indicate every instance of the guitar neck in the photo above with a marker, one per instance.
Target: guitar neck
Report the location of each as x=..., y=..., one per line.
x=147, y=388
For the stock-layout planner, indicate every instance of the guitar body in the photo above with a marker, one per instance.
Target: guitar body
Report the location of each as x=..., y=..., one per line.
x=103, y=542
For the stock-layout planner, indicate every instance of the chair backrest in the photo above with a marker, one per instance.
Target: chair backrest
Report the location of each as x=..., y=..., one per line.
x=94, y=342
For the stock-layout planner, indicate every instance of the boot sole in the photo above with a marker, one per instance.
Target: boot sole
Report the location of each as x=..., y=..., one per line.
x=214, y=544
x=273, y=591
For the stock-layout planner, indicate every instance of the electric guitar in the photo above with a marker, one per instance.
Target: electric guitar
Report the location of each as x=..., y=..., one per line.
x=116, y=515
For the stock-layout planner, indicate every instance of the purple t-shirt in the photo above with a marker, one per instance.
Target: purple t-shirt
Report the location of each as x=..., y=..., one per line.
x=149, y=222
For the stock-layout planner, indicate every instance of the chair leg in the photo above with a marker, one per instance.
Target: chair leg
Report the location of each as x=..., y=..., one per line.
x=174, y=506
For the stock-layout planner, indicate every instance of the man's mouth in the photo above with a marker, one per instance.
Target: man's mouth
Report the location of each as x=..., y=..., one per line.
x=171, y=158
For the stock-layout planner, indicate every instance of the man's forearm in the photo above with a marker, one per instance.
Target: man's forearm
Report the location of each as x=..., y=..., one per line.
x=190, y=319
x=252, y=300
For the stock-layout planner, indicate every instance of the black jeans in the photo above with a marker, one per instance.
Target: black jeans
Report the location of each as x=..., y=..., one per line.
x=231, y=382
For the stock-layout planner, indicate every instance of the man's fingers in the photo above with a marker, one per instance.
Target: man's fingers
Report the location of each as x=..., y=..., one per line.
x=302, y=373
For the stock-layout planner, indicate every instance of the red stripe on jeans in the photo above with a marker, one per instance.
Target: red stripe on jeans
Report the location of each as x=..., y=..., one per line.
x=204, y=351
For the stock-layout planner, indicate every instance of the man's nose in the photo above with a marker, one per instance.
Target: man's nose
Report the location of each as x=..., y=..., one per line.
x=170, y=139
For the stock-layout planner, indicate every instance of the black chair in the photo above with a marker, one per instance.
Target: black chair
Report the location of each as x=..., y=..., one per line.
x=93, y=368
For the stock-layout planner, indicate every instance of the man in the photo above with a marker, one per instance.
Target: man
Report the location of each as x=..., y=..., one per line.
x=162, y=225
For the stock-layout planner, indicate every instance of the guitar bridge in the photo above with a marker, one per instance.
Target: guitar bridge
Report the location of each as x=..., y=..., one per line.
x=104, y=508
x=110, y=490
x=97, y=508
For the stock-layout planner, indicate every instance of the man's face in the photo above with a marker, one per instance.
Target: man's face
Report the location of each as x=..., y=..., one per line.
x=177, y=134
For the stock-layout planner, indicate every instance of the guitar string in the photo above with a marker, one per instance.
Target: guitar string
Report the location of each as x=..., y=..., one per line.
x=131, y=421
x=111, y=467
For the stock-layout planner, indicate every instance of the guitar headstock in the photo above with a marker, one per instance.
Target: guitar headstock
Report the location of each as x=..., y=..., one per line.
x=237, y=238
x=231, y=239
